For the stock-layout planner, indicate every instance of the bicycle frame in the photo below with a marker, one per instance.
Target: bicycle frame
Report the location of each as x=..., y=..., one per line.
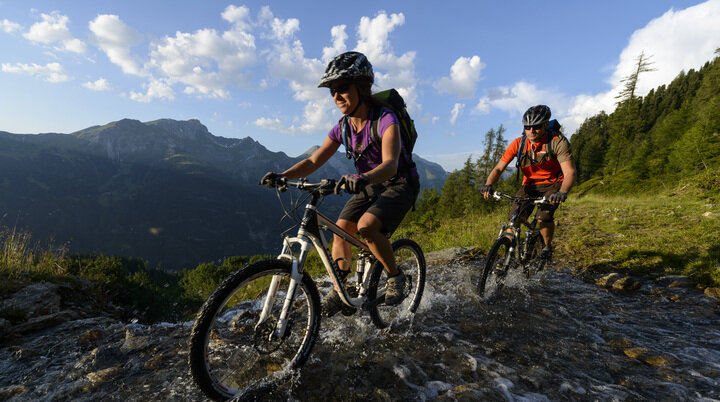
x=310, y=234
x=516, y=224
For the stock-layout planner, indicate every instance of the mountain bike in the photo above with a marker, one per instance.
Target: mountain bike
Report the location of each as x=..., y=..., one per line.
x=514, y=249
x=259, y=325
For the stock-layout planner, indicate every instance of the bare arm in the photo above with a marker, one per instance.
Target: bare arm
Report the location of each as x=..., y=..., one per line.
x=390, y=154
x=494, y=175
x=312, y=163
x=568, y=169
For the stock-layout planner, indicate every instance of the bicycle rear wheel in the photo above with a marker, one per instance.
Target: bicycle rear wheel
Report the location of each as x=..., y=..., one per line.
x=411, y=261
x=499, y=260
x=232, y=353
x=533, y=262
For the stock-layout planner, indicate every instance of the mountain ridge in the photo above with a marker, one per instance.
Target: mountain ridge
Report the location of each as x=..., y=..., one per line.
x=167, y=191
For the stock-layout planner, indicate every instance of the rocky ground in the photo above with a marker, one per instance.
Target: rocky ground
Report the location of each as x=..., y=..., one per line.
x=604, y=337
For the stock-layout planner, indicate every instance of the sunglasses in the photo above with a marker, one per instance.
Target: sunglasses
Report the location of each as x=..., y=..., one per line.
x=340, y=89
x=537, y=127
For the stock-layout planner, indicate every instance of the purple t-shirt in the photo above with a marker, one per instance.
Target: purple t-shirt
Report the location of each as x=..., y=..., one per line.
x=372, y=157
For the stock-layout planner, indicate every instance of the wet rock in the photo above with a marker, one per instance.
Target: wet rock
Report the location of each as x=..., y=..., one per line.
x=713, y=292
x=45, y=321
x=91, y=337
x=618, y=281
x=33, y=300
x=8, y=392
x=607, y=280
x=621, y=343
x=626, y=283
x=675, y=281
x=537, y=376
x=651, y=358
x=447, y=255
x=98, y=377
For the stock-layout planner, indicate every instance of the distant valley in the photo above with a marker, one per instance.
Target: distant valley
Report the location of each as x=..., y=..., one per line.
x=166, y=191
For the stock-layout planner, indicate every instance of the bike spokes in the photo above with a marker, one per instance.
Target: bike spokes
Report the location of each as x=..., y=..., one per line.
x=236, y=345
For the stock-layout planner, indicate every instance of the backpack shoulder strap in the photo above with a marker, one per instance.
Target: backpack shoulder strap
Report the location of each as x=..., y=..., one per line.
x=374, y=133
x=346, y=136
x=520, y=155
x=521, y=149
x=548, y=145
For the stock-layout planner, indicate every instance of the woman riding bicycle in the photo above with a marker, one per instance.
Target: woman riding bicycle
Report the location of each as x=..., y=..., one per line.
x=385, y=186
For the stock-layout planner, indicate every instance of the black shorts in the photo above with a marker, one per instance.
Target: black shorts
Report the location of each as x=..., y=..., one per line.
x=544, y=212
x=388, y=201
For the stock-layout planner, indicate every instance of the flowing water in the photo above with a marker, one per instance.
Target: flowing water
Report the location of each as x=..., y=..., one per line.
x=553, y=337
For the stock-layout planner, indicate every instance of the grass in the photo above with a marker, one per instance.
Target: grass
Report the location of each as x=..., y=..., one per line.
x=474, y=230
x=664, y=232
x=21, y=258
x=655, y=235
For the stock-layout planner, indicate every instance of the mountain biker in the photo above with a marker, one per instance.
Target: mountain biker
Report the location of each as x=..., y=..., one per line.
x=385, y=186
x=543, y=174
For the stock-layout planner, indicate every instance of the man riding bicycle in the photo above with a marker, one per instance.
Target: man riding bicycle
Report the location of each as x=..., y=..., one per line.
x=385, y=185
x=545, y=173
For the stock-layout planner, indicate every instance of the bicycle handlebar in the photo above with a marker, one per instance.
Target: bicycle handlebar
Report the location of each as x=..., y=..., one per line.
x=539, y=200
x=324, y=186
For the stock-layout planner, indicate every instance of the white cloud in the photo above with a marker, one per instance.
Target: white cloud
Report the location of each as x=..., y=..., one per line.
x=373, y=34
x=271, y=124
x=282, y=30
x=208, y=62
x=116, y=38
x=286, y=60
x=53, y=28
x=100, y=84
x=238, y=16
x=676, y=41
x=51, y=72
x=518, y=98
x=9, y=26
x=338, y=40
x=456, y=112
x=464, y=75
x=156, y=89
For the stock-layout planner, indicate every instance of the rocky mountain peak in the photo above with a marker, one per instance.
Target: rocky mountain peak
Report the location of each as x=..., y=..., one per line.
x=190, y=129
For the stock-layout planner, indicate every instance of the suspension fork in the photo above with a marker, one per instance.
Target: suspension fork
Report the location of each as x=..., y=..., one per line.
x=295, y=277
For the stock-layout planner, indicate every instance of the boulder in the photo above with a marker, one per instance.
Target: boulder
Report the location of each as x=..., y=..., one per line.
x=713, y=292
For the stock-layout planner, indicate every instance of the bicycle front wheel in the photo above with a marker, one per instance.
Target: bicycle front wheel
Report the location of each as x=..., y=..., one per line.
x=411, y=261
x=499, y=260
x=533, y=262
x=233, y=352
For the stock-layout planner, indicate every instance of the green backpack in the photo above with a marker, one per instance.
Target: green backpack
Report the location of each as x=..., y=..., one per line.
x=392, y=100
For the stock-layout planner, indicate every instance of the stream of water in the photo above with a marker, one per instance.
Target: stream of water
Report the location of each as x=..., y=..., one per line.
x=553, y=337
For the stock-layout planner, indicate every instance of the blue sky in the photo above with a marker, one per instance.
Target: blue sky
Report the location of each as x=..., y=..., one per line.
x=251, y=68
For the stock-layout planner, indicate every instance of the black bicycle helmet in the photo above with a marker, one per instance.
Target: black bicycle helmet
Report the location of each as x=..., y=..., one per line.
x=537, y=114
x=348, y=65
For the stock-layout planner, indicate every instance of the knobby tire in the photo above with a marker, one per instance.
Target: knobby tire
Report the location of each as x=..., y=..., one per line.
x=533, y=262
x=229, y=356
x=495, y=267
x=411, y=260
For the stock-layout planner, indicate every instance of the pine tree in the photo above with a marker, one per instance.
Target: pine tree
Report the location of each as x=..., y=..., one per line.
x=642, y=66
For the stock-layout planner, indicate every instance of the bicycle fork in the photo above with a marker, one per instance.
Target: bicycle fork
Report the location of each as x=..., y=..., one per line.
x=281, y=325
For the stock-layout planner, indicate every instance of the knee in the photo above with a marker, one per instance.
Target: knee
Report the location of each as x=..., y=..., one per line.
x=365, y=231
x=545, y=223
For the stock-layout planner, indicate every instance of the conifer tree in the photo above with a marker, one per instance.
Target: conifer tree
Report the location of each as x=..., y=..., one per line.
x=642, y=66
